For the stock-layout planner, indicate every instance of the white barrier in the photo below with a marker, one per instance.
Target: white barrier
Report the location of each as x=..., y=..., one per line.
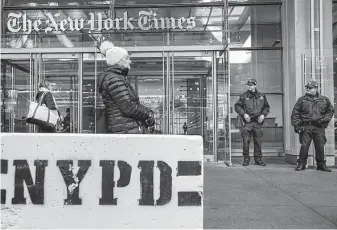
x=117, y=181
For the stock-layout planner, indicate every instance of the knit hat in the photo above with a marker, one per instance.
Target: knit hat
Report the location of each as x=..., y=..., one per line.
x=112, y=53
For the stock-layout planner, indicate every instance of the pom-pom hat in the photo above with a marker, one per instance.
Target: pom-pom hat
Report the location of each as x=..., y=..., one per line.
x=112, y=53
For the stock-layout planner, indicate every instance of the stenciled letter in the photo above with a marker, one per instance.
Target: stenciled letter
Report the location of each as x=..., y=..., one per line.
x=22, y=173
x=108, y=183
x=73, y=179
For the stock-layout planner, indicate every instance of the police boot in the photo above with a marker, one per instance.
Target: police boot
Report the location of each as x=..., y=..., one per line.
x=300, y=167
x=260, y=163
x=245, y=162
x=323, y=168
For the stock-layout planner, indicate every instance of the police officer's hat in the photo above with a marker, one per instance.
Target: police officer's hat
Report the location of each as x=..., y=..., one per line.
x=251, y=81
x=312, y=84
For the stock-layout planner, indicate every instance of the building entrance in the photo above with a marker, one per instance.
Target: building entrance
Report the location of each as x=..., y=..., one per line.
x=187, y=90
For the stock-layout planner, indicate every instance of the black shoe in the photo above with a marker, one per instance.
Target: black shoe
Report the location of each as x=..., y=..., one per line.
x=260, y=163
x=323, y=168
x=300, y=167
x=245, y=162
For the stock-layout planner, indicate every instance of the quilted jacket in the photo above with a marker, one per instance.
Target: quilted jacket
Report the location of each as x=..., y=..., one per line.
x=123, y=108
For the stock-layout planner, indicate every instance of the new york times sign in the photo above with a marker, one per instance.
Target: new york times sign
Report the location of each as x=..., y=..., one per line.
x=147, y=20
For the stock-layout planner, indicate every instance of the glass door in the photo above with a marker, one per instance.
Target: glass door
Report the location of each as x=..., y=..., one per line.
x=17, y=90
x=199, y=97
x=65, y=71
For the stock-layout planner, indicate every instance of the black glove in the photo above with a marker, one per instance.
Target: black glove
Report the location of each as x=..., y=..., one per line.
x=150, y=121
x=298, y=129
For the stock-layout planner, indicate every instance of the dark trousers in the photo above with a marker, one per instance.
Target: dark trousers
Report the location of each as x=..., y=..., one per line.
x=252, y=129
x=317, y=134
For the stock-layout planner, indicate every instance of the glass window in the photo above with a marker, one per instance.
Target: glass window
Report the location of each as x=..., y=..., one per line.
x=266, y=67
x=255, y=26
x=15, y=93
x=254, y=1
x=263, y=65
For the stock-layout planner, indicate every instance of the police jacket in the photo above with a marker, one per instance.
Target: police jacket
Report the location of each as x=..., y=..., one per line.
x=311, y=108
x=252, y=103
x=123, y=108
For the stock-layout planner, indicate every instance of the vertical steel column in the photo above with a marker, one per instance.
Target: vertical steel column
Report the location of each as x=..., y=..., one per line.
x=321, y=52
x=11, y=101
x=172, y=92
x=30, y=127
x=229, y=105
x=35, y=78
x=167, y=96
x=96, y=93
x=313, y=70
x=227, y=80
x=202, y=106
x=215, y=108
x=312, y=37
x=80, y=94
x=164, y=95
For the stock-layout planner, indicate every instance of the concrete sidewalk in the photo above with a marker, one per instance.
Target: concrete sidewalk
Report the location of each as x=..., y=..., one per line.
x=274, y=196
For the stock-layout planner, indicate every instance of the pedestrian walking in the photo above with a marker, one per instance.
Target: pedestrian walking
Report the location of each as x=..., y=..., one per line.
x=185, y=128
x=46, y=91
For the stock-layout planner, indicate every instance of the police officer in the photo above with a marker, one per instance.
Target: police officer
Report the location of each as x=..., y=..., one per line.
x=310, y=117
x=252, y=107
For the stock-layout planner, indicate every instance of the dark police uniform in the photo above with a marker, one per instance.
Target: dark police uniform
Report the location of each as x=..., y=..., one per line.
x=254, y=104
x=310, y=117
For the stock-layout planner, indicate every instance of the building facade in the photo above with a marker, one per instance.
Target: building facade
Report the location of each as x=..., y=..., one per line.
x=191, y=60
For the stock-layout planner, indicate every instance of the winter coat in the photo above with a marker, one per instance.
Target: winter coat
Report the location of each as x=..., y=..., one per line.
x=311, y=108
x=252, y=103
x=48, y=99
x=50, y=103
x=123, y=108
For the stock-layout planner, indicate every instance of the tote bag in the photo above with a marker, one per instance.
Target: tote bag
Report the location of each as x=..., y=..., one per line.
x=41, y=115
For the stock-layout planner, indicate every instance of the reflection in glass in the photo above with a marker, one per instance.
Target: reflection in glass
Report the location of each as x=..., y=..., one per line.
x=263, y=65
x=15, y=94
x=255, y=26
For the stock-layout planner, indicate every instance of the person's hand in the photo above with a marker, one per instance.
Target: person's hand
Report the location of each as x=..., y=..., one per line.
x=150, y=121
x=247, y=117
x=298, y=129
x=261, y=119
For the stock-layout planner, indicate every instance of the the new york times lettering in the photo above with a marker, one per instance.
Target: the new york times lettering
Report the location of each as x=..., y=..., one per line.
x=72, y=179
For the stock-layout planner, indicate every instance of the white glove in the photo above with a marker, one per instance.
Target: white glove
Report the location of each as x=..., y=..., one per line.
x=247, y=117
x=261, y=119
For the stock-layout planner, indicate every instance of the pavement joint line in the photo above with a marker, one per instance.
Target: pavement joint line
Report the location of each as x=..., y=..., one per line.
x=290, y=195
